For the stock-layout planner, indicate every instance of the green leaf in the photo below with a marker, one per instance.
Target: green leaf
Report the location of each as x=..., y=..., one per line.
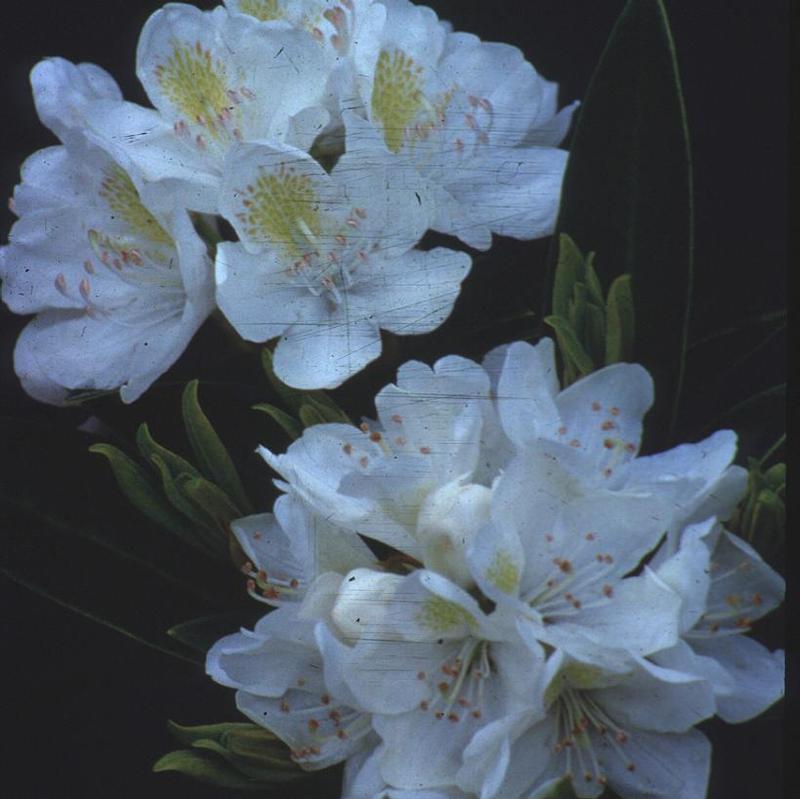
x=215, y=732
x=561, y=790
x=593, y=282
x=595, y=335
x=310, y=416
x=96, y=618
x=201, y=634
x=266, y=770
x=288, y=424
x=196, y=535
x=214, y=502
x=569, y=270
x=207, y=767
x=135, y=483
x=620, y=321
x=569, y=344
x=212, y=456
x=327, y=409
x=628, y=192
x=148, y=446
x=230, y=751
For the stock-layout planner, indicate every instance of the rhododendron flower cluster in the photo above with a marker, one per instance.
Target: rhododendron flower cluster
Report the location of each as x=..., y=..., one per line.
x=331, y=136
x=552, y=605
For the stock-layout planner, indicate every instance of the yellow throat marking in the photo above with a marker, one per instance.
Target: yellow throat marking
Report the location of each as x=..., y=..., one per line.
x=123, y=199
x=283, y=208
x=397, y=97
x=265, y=10
x=196, y=84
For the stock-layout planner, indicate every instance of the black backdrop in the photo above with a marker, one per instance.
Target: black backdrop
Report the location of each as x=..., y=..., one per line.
x=84, y=708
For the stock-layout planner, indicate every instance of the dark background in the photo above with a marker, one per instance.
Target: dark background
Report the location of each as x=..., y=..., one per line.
x=84, y=708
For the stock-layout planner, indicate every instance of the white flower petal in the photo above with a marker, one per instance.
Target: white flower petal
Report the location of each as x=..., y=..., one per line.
x=325, y=352
x=526, y=392
x=608, y=405
x=512, y=191
x=666, y=766
x=256, y=295
x=658, y=699
x=757, y=675
x=62, y=92
x=415, y=293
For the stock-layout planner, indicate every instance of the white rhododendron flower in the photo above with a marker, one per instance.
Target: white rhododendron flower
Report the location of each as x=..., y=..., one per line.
x=289, y=548
x=527, y=628
x=215, y=79
x=594, y=429
x=277, y=672
x=629, y=730
x=326, y=260
x=726, y=586
x=421, y=655
x=119, y=285
x=556, y=555
x=407, y=479
x=475, y=118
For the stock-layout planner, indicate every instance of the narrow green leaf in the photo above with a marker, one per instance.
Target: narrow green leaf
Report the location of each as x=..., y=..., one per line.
x=97, y=619
x=561, y=790
x=773, y=392
x=206, y=767
x=216, y=732
x=197, y=533
x=200, y=635
x=310, y=416
x=287, y=423
x=595, y=290
x=620, y=321
x=577, y=307
x=211, y=453
x=569, y=270
x=267, y=772
x=777, y=318
x=571, y=347
x=148, y=446
x=595, y=332
x=627, y=193
x=327, y=409
x=214, y=502
x=138, y=488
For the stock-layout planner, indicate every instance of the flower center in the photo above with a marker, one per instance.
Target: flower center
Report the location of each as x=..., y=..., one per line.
x=581, y=727
x=397, y=96
x=457, y=690
x=143, y=258
x=569, y=589
x=118, y=191
x=283, y=209
x=325, y=723
x=197, y=85
x=728, y=612
x=265, y=10
x=271, y=588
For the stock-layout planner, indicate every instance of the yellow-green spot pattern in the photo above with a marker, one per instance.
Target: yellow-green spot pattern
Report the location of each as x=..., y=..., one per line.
x=397, y=98
x=283, y=209
x=442, y=616
x=196, y=85
x=503, y=573
x=119, y=192
x=264, y=10
x=577, y=676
